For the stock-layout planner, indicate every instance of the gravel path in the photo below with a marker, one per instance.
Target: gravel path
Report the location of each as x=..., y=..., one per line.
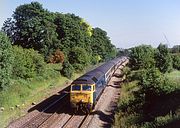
x=103, y=114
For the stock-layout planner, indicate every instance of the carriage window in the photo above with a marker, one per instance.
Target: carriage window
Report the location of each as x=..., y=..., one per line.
x=76, y=87
x=94, y=79
x=86, y=88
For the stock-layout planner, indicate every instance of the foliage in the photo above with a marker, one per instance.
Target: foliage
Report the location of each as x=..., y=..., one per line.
x=67, y=69
x=176, y=61
x=142, y=57
x=174, y=76
x=57, y=57
x=101, y=44
x=9, y=28
x=72, y=31
x=32, y=27
x=155, y=87
x=153, y=82
x=126, y=116
x=79, y=58
x=28, y=63
x=123, y=52
x=175, y=49
x=95, y=59
x=163, y=59
x=24, y=92
x=168, y=121
x=6, y=60
x=153, y=102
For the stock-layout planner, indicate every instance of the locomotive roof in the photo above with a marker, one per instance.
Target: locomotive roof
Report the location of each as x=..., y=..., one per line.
x=89, y=78
x=83, y=80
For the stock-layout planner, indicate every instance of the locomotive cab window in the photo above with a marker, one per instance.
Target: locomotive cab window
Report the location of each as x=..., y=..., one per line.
x=86, y=87
x=76, y=87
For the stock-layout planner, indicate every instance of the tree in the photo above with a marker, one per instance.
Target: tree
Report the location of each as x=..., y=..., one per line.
x=79, y=58
x=67, y=69
x=28, y=63
x=9, y=28
x=142, y=57
x=6, y=60
x=57, y=57
x=32, y=27
x=101, y=44
x=72, y=31
x=175, y=49
x=163, y=59
x=153, y=87
x=176, y=61
x=95, y=59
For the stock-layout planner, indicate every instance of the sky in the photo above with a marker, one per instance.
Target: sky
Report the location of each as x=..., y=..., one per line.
x=128, y=23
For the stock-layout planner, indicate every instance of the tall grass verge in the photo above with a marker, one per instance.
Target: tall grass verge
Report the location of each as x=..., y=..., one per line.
x=24, y=92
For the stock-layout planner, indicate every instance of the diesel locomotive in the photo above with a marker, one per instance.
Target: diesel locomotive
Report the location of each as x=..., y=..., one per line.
x=86, y=90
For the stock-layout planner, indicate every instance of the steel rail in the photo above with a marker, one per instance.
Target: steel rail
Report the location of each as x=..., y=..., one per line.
x=28, y=123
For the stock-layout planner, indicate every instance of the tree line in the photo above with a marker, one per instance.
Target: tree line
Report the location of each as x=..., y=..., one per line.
x=34, y=36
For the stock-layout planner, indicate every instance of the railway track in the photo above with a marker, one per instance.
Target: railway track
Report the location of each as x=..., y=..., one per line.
x=53, y=118
x=76, y=121
x=48, y=112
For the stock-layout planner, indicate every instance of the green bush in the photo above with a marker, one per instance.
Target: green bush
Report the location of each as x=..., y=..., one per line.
x=163, y=59
x=6, y=60
x=152, y=81
x=151, y=101
x=79, y=58
x=142, y=57
x=161, y=122
x=95, y=59
x=67, y=69
x=176, y=61
x=28, y=63
x=124, y=120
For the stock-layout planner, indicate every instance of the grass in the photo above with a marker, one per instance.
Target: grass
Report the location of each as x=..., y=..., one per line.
x=174, y=76
x=127, y=90
x=23, y=93
x=123, y=119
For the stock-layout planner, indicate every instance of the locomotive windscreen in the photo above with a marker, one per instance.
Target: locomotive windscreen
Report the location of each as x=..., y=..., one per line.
x=86, y=87
x=76, y=87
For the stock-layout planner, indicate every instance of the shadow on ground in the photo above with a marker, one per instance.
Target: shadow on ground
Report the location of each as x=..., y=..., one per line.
x=108, y=119
x=53, y=103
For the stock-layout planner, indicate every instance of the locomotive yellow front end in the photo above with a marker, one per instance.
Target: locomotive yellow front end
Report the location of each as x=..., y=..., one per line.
x=81, y=97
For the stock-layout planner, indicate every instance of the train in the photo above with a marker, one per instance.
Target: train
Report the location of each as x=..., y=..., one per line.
x=87, y=89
